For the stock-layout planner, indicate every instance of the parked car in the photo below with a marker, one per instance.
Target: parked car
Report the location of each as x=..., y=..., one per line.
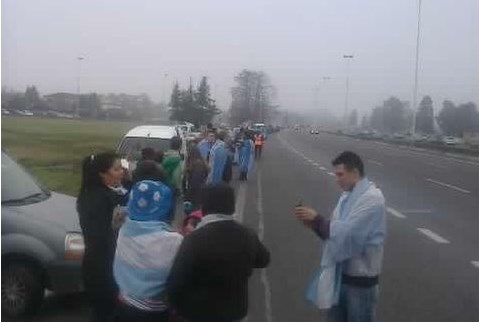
x=451, y=141
x=25, y=113
x=156, y=137
x=42, y=244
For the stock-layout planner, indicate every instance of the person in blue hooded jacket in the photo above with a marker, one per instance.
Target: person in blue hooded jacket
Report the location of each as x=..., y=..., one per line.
x=245, y=153
x=217, y=160
x=146, y=248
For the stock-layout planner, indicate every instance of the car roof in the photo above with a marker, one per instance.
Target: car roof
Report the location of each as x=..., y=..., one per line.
x=162, y=132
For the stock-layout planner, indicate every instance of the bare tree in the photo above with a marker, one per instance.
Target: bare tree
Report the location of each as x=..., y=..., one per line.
x=252, y=97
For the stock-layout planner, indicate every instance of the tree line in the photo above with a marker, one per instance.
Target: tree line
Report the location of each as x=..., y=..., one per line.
x=193, y=105
x=394, y=116
x=112, y=106
x=252, y=97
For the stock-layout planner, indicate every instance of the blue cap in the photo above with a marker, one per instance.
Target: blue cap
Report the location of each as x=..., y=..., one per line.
x=150, y=201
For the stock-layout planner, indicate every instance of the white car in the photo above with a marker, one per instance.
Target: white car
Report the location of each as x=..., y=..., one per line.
x=451, y=141
x=156, y=137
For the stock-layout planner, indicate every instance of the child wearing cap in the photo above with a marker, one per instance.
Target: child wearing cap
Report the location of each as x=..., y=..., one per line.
x=146, y=248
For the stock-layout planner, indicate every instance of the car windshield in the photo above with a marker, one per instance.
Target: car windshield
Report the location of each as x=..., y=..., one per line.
x=17, y=185
x=132, y=146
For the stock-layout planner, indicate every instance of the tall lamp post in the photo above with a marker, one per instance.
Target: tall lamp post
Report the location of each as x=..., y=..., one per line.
x=415, y=88
x=79, y=70
x=347, y=90
x=162, y=90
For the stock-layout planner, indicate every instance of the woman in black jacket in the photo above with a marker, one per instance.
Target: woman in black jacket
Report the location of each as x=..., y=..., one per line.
x=95, y=204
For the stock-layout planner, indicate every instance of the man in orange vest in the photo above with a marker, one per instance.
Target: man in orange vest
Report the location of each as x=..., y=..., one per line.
x=258, y=139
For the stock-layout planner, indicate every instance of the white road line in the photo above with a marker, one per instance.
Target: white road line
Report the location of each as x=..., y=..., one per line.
x=416, y=211
x=331, y=174
x=475, y=263
x=309, y=160
x=322, y=168
x=375, y=162
x=316, y=164
x=435, y=165
x=432, y=235
x=396, y=213
x=453, y=187
x=241, y=199
x=261, y=235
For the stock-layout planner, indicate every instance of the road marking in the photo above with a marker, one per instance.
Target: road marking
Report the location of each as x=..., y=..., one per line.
x=396, y=213
x=322, y=168
x=309, y=160
x=475, y=263
x=375, y=162
x=331, y=174
x=432, y=235
x=241, y=199
x=417, y=211
x=453, y=187
x=261, y=235
x=435, y=165
x=316, y=164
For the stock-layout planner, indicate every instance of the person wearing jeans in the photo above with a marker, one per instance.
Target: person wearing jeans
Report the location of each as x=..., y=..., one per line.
x=347, y=282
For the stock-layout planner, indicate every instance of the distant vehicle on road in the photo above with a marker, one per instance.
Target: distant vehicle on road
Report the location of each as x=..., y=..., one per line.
x=398, y=136
x=262, y=128
x=156, y=137
x=42, y=243
x=451, y=140
x=26, y=113
x=5, y=112
x=314, y=132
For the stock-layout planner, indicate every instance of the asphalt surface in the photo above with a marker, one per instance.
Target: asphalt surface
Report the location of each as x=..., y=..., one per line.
x=429, y=272
x=432, y=227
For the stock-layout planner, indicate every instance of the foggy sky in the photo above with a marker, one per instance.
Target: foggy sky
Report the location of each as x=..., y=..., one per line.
x=129, y=46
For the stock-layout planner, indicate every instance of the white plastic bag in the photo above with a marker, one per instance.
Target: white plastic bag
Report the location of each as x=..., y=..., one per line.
x=323, y=291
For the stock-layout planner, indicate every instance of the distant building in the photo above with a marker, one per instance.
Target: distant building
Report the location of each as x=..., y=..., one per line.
x=63, y=102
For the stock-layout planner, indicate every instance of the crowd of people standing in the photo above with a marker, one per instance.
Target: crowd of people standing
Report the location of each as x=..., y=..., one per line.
x=137, y=266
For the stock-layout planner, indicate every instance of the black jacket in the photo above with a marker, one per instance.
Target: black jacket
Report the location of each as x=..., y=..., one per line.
x=95, y=210
x=209, y=277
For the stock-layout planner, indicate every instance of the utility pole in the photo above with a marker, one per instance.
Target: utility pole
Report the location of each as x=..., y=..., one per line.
x=162, y=87
x=77, y=110
x=348, y=58
x=415, y=89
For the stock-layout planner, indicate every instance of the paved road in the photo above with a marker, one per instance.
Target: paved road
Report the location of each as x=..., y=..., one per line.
x=431, y=259
x=432, y=230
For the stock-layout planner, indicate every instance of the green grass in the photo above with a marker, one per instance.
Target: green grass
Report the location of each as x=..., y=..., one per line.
x=52, y=149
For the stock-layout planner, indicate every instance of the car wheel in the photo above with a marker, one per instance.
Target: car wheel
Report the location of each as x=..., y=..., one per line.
x=22, y=290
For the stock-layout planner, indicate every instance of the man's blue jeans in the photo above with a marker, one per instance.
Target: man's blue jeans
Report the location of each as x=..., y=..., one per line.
x=355, y=304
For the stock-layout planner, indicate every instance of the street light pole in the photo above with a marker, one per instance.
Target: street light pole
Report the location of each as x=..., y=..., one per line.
x=415, y=89
x=162, y=90
x=79, y=59
x=348, y=58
